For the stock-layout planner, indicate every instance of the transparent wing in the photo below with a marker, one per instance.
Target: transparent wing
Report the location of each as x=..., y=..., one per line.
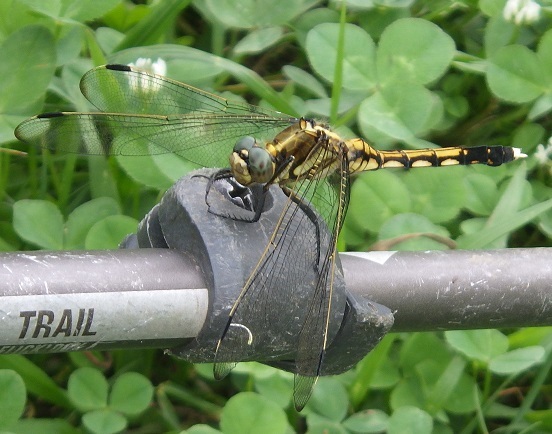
x=278, y=276
x=206, y=140
x=125, y=89
x=147, y=114
x=263, y=300
x=332, y=199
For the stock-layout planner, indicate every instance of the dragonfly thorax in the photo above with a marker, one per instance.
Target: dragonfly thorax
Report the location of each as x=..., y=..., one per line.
x=251, y=163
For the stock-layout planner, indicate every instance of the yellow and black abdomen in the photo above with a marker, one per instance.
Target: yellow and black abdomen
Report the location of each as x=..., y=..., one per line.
x=363, y=157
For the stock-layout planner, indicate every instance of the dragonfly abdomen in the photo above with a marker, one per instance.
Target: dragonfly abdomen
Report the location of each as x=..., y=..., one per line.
x=362, y=157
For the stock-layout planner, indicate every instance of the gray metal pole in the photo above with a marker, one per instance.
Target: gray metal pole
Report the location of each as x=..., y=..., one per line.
x=448, y=290
x=73, y=301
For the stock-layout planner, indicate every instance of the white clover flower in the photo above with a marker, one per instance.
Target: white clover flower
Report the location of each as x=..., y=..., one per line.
x=543, y=153
x=158, y=67
x=521, y=11
x=143, y=82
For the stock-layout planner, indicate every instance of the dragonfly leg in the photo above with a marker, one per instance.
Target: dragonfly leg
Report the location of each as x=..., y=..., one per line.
x=221, y=174
x=225, y=197
x=280, y=168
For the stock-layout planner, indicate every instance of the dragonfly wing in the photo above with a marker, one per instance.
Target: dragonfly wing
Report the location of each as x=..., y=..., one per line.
x=125, y=89
x=331, y=197
x=206, y=140
x=147, y=114
x=263, y=301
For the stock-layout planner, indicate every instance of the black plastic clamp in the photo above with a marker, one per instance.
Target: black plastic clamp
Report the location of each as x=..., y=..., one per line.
x=211, y=221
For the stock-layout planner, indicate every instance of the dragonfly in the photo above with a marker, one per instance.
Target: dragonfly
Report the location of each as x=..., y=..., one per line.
x=141, y=113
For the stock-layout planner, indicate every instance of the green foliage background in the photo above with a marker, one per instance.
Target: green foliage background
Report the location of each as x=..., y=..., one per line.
x=411, y=74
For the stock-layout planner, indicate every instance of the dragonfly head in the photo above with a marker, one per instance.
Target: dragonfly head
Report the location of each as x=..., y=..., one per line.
x=250, y=163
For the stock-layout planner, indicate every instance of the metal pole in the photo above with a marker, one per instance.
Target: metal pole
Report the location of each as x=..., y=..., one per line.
x=73, y=301
x=448, y=290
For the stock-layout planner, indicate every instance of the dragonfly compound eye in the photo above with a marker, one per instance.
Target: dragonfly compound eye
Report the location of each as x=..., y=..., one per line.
x=244, y=144
x=260, y=165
